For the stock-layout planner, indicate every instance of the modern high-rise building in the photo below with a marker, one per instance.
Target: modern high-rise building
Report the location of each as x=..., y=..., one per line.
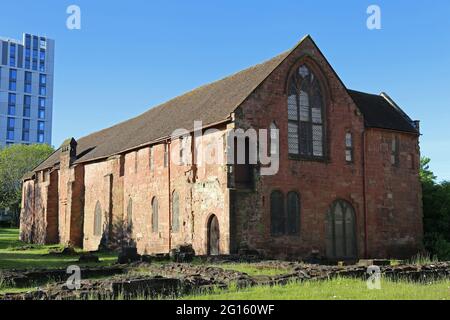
x=26, y=90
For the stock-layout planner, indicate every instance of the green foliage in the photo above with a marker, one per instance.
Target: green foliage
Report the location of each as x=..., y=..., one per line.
x=422, y=259
x=15, y=162
x=426, y=175
x=436, y=212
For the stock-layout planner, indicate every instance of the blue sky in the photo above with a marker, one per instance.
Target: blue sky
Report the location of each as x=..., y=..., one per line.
x=132, y=55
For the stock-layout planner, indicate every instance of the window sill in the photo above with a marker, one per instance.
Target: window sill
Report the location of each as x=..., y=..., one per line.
x=308, y=158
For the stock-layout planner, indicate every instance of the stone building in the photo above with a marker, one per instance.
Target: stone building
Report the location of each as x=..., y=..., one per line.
x=347, y=184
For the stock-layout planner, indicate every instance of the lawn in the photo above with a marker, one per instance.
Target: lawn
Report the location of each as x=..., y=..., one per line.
x=14, y=256
x=253, y=269
x=336, y=289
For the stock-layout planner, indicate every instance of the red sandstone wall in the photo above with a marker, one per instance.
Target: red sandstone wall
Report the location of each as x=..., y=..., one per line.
x=318, y=183
x=394, y=212
x=27, y=212
x=210, y=195
x=393, y=196
x=38, y=212
x=114, y=186
x=97, y=188
x=52, y=236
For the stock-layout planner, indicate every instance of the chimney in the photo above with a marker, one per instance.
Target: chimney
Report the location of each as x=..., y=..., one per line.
x=417, y=125
x=68, y=153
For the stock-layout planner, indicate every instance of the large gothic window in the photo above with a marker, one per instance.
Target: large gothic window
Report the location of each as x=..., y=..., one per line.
x=305, y=115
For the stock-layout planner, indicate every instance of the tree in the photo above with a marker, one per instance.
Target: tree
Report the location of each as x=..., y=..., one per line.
x=436, y=212
x=15, y=162
x=426, y=175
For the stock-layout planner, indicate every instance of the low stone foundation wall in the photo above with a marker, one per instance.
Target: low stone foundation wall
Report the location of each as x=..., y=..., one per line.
x=144, y=280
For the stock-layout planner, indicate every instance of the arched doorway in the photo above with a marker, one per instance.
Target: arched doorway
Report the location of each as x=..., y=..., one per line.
x=341, y=231
x=213, y=236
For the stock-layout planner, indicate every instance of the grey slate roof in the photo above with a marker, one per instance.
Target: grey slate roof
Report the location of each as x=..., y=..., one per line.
x=212, y=103
x=380, y=113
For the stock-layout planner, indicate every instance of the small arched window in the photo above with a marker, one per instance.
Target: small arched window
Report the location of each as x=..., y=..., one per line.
x=130, y=214
x=277, y=216
x=155, y=215
x=98, y=219
x=306, y=134
x=349, y=147
x=175, y=212
x=293, y=213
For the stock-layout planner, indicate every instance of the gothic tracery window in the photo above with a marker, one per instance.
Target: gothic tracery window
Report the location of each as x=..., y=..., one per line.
x=305, y=115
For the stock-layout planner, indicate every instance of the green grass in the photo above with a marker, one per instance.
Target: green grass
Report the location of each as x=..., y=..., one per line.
x=36, y=256
x=336, y=289
x=253, y=269
x=423, y=259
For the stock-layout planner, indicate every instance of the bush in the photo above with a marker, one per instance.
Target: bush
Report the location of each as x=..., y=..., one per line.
x=436, y=213
x=438, y=245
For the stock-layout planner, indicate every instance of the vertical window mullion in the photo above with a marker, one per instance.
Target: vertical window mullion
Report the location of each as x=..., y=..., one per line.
x=310, y=131
x=299, y=122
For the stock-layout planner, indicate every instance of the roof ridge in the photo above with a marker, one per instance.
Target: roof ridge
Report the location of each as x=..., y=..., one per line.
x=202, y=87
x=212, y=102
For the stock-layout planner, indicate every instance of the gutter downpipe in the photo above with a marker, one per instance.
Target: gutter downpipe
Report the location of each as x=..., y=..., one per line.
x=170, y=194
x=364, y=138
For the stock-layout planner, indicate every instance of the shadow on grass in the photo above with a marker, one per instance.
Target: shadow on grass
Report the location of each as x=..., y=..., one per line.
x=15, y=254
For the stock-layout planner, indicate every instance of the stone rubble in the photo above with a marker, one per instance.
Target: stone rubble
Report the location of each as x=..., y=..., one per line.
x=155, y=280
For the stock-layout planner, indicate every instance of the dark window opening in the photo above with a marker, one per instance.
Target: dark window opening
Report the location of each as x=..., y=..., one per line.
x=98, y=220
x=395, y=153
x=130, y=216
x=277, y=216
x=293, y=213
x=243, y=173
x=155, y=215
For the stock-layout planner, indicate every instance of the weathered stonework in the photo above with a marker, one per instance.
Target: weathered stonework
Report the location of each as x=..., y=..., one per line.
x=386, y=198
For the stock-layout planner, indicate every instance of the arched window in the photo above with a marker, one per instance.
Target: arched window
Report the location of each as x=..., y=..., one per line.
x=130, y=214
x=341, y=231
x=293, y=213
x=175, y=212
x=98, y=219
x=277, y=216
x=305, y=115
x=155, y=215
x=349, y=147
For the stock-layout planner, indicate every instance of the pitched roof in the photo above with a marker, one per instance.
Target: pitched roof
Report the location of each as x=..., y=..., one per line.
x=381, y=112
x=211, y=104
